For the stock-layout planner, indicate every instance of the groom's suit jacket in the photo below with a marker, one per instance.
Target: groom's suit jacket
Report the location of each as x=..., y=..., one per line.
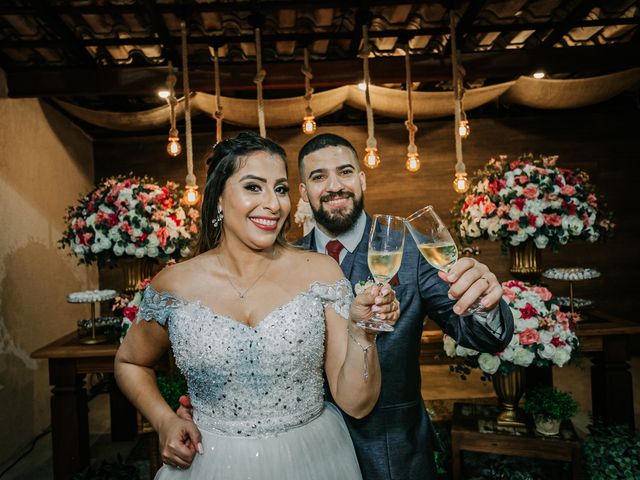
x=396, y=440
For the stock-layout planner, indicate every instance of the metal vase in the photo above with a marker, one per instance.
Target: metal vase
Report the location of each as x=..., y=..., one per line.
x=134, y=270
x=525, y=261
x=509, y=390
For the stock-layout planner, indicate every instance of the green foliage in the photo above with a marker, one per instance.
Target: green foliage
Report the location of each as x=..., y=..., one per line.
x=550, y=403
x=612, y=452
x=172, y=387
x=116, y=470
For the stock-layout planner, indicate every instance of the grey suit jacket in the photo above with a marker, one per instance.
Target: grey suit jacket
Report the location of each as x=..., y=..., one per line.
x=396, y=440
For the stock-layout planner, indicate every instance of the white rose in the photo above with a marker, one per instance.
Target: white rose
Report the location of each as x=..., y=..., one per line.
x=169, y=249
x=185, y=252
x=575, y=226
x=152, y=252
x=140, y=252
x=561, y=356
x=96, y=248
x=523, y=357
x=508, y=354
x=137, y=299
x=118, y=250
x=493, y=227
x=563, y=239
x=91, y=220
x=136, y=233
x=541, y=241
x=547, y=351
x=473, y=231
x=105, y=209
x=465, y=352
x=79, y=250
x=114, y=233
x=152, y=240
x=130, y=249
x=522, y=235
x=488, y=363
x=545, y=336
x=449, y=346
x=514, y=213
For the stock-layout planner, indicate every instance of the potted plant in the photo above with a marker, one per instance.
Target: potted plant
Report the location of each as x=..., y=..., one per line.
x=550, y=407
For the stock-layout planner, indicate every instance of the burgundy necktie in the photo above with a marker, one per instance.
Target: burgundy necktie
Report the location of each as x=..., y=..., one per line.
x=334, y=247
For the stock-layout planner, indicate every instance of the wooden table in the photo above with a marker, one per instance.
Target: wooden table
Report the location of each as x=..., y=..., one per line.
x=69, y=362
x=473, y=429
x=606, y=339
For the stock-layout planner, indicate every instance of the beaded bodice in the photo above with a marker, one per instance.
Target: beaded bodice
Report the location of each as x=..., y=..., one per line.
x=246, y=381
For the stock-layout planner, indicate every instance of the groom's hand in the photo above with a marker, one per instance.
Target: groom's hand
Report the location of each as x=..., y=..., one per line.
x=470, y=280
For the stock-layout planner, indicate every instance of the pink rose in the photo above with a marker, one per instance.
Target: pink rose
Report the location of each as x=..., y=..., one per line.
x=510, y=294
x=530, y=192
x=568, y=190
x=522, y=179
x=488, y=208
x=513, y=225
x=592, y=200
x=552, y=219
x=529, y=336
x=544, y=294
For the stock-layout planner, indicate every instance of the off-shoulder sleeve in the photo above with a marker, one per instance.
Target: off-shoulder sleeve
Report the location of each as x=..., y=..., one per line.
x=157, y=306
x=338, y=295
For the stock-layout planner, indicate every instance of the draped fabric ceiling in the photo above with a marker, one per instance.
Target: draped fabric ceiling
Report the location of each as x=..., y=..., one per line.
x=387, y=102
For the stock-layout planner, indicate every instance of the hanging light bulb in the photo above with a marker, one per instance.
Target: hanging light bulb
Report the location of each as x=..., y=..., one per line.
x=173, y=147
x=413, y=162
x=464, y=129
x=191, y=195
x=461, y=183
x=309, y=125
x=371, y=158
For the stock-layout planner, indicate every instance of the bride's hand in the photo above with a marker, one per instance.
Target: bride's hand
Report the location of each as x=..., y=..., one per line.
x=379, y=300
x=176, y=436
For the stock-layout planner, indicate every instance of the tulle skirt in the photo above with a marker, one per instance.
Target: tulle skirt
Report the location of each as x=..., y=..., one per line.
x=319, y=450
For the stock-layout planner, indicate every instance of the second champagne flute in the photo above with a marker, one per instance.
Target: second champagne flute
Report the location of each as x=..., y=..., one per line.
x=436, y=244
x=386, y=242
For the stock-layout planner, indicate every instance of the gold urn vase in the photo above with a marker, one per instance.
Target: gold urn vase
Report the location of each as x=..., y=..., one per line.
x=509, y=390
x=134, y=270
x=525, y=261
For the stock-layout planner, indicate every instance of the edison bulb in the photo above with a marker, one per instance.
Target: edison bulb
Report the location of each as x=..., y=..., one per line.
x=413, y=162
x=309, y=125
x=461, y=183
x=464, y=129
x=371, y=158
x=173, y=147
x=191, y=195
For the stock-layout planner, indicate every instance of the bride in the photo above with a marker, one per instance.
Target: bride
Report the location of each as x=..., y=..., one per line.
x=253, y=324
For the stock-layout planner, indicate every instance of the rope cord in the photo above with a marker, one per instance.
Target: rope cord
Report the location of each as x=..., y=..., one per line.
x=259, y=78
x=371, y=140
x=218, y=114
x=172, y=101
x=411, y=127
x=191, y=178
x=308, y=75
x=460, y=167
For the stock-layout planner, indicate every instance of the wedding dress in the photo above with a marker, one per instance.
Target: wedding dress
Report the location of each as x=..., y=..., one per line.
x=257, y=393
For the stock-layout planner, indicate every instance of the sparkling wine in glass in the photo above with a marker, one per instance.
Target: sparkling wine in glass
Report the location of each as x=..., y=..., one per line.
x=435, y=243
x=386, y=242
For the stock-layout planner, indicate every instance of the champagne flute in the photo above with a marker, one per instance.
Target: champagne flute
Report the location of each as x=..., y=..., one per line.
x=386, y=242
x=436, y=244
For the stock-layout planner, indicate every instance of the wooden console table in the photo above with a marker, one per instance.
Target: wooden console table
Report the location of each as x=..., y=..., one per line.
x=606, y=339
x=69, y=362
x=473, y=429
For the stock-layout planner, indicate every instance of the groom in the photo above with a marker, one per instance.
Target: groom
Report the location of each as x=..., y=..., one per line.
x=396, y=440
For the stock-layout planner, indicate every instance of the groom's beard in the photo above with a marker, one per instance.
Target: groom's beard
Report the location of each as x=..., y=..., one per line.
x=340, y=220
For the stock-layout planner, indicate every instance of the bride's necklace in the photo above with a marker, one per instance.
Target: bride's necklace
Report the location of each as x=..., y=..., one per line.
x=243, y=293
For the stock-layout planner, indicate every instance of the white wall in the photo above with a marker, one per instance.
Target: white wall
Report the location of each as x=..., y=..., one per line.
x=46, y=162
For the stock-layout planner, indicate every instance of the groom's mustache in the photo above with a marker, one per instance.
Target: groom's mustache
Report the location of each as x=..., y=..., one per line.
x=333, y=196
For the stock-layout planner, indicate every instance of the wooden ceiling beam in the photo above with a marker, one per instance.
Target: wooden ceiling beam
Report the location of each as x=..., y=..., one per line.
x=327, y=74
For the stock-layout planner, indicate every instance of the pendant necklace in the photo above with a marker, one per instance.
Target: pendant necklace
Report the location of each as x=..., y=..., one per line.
x=243, y=293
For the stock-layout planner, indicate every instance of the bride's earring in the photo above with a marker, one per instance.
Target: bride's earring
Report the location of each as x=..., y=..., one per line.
x=218, y=220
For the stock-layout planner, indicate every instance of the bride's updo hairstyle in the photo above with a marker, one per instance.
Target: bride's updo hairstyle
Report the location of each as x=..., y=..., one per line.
x=227, y=158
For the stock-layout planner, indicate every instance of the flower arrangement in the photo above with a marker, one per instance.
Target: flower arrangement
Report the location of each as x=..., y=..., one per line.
x=129, y=216
x=127, y=307
x=543, y=334
x=531, y=199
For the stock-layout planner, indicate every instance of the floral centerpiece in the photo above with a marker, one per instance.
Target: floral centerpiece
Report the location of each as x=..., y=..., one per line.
x=543, y=334
x=126, y=307
x=129, y=216
x=531, y=199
